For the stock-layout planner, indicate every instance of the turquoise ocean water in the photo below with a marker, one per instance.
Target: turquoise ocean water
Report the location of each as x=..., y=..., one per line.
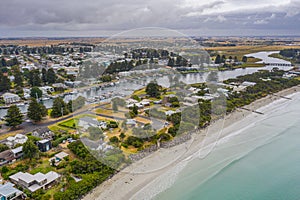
x=260, y=163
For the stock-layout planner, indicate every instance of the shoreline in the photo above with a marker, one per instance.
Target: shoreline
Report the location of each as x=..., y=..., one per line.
x=129, y=182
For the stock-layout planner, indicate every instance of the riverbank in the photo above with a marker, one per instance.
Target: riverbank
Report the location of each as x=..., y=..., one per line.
x=131, y=182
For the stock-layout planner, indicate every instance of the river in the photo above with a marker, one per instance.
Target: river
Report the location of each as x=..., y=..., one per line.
x=126, y=87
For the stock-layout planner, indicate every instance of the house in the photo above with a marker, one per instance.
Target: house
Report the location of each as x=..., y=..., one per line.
x=169, y=112
x=145, y=102
x=72, y=83
x=6, y=157
x=58, y=158
x=247, y=83
x=14, y=140
x=131, y=101
x=86, y=122
x=44, y=145
x=36, y=181
x=167, y=98
x=9, y=192
x=289, y=76
x=59, y=85
x=26, y=93
x=43, y=133
x=103, y=125
x=18, y=152
x=157, y=102
x=98, y=145
x=192, y=99
x=47, y=89
x=10, y=156
x=131, y=122
x=10, y=98
x=28, y=67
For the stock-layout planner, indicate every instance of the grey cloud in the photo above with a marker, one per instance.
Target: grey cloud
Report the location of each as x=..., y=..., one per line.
x=77, y=16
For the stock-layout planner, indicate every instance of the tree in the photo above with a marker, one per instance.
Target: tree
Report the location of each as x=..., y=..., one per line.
x=51, y=76
x=4, y=83
x=3, y=147
x=76, y=104
x=114, y=140
x=223, y=59
x=59, y=108
x=30, y=150
x=135, y=110
x=236, y=59
x=114, y=106
x=36, y=111
x=244, y=59
x=3, y=62
x=18, y=77
x=119, y=101
x=35, y=92
x=122, y=136
x=95, y=133
x=218, y=59
x=153, y=89
x=44, y=75
x=14, y=116
x=34, y=78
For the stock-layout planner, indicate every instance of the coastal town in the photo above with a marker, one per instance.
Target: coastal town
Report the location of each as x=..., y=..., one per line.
x=75, y=113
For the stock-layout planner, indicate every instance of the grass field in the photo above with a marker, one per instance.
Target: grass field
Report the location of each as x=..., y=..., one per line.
x=240, y=51
x=277, y=55
x=44, y=167
x=110, y=113
x=139, y=92
x=71, y=123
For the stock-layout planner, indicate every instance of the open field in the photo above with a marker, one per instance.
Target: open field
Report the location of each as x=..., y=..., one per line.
x=110, y=113
x=240, y=51
x=48, y=41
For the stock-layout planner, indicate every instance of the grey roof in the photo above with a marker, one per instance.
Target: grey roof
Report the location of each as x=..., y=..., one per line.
x=89, y=120
x=131, y=122
x=61, y=155
x=8, y=95
x=26, y=177
x=8, y=189
x=41, y=130
x=39, y=177
x=17, y=150
x=43, y=141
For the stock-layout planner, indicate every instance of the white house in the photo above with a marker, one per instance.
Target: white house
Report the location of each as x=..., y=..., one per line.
x=170, y=112
x=47, y=89
x=58, y=158
x=9, y=192
x=247, y=83
x=10, y=98
x=131, y=122
x=36, y=181
x=17, y=139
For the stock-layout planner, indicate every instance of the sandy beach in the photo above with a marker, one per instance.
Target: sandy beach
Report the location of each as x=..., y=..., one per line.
x=133, y=181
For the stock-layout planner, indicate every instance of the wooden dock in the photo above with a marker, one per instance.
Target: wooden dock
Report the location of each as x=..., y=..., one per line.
x=254, y=111
x=288, y=98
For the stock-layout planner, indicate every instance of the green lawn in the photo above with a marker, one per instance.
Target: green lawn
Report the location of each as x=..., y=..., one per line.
x=71, y=123
x=44, y=167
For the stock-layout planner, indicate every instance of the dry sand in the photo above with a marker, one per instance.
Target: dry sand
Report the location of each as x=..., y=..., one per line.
x=131, y=183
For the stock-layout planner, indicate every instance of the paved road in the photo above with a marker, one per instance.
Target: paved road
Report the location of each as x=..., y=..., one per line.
x=27, y=127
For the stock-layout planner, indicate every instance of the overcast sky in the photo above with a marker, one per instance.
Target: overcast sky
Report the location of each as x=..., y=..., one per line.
x=106, y=17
